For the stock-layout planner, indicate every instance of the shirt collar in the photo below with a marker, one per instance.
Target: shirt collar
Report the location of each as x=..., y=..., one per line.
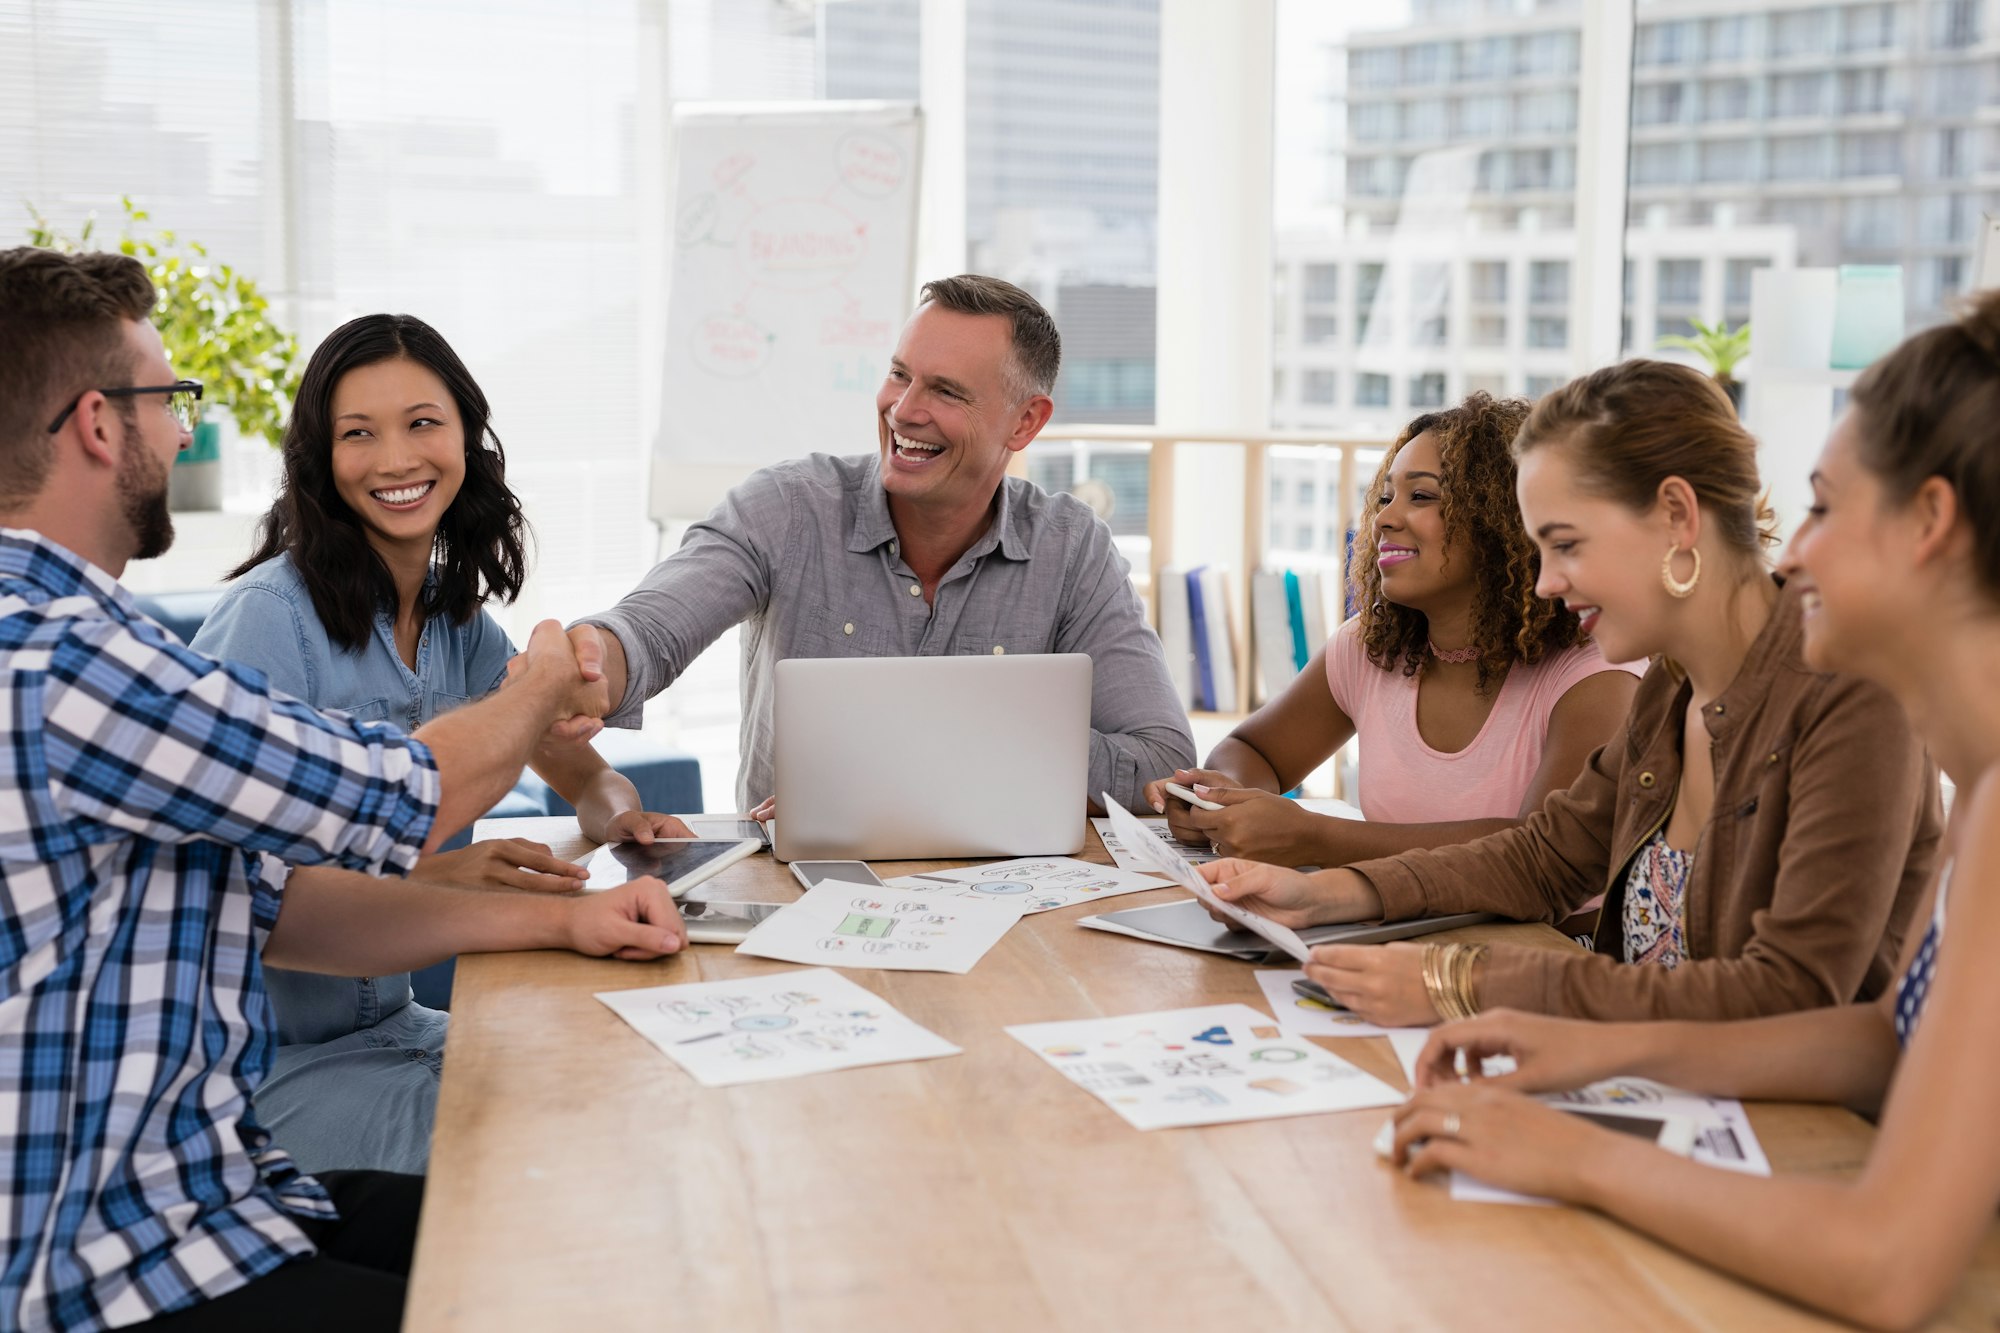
x=870, y=526
x=54, y=568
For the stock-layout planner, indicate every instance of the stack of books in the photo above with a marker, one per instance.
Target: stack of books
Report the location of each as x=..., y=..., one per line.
x=1287, y=626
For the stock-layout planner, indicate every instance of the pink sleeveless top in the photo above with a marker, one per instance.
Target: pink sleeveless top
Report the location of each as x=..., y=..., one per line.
x=1405, y=781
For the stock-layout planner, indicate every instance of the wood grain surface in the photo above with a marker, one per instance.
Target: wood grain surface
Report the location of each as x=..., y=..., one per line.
x=579, y=1179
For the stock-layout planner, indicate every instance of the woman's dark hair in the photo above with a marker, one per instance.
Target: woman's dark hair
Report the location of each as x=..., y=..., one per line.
x=1927, y=410
x=481, y=542
x=1509, y=623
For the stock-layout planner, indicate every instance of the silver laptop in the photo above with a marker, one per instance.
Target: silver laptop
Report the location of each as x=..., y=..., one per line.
x=900, y=758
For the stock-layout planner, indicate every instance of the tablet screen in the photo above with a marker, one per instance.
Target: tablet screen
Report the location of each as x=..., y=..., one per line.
x=672, y=860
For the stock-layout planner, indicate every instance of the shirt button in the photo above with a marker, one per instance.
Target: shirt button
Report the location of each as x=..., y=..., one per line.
x=999, y=650
x=895, y=548
x=848, y=628
x=916, y=590
x=1720, y=710
x=1647, y=779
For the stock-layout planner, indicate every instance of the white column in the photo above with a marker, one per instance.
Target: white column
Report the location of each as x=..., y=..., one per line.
x=1214, y=340
x=941, y=93
x=1603, y=115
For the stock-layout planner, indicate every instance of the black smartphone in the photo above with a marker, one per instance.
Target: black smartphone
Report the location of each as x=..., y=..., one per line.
x=1312, y=990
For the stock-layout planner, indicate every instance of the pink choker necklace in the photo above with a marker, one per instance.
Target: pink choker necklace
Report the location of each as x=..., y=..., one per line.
x=1457, y=657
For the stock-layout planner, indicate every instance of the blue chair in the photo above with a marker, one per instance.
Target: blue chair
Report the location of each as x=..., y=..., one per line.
x=181, y=612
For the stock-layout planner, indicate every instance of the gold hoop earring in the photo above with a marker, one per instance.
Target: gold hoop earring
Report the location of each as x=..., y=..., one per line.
x=1675, y=588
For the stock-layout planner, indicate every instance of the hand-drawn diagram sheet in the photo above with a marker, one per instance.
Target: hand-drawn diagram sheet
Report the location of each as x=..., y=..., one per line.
x=856, y=925
x=1207, y=1066
x=757, y=1029
x=1036, y=883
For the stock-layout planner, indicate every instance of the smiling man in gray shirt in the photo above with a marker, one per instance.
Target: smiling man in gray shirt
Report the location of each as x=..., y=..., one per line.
x=926, y=548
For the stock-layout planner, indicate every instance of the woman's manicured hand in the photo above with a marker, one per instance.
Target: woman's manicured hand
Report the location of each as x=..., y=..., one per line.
x=1502, y=1138
x=1550, y=1054
x=1383, y=983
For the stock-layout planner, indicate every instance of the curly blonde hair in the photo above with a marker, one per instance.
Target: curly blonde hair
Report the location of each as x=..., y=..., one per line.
x=1509, y=623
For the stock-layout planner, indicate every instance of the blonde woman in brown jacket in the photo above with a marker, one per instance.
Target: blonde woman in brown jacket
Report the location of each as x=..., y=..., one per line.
x=1761, y=830
x=1899, y=568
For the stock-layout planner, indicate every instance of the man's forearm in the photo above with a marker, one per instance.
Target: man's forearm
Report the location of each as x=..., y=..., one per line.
x=481, y=749
x=345, y=923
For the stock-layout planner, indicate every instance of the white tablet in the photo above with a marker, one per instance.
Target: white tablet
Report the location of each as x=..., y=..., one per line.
x=681, y=862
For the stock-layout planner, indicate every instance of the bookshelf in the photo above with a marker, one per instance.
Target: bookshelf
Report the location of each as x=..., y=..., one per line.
x=1252, y=454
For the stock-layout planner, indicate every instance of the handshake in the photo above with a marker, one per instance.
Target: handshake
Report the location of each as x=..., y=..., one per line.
x=566, y=673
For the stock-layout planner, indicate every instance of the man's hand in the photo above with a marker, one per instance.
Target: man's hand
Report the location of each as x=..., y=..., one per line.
x=766, y=811
x=511, y=863
x=643, y=826
x=1253, y=824
x=1291, y=897
x=636, y=921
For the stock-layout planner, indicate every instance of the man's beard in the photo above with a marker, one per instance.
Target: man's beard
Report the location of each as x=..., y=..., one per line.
x=142, y=496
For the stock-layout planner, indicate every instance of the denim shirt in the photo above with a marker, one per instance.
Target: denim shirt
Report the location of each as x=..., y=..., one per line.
x=266, y=620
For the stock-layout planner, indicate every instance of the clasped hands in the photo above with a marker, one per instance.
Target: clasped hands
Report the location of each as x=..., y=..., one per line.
x=569, y=665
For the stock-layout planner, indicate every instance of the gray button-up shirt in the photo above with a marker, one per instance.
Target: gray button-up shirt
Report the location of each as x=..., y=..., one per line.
x=807, y=554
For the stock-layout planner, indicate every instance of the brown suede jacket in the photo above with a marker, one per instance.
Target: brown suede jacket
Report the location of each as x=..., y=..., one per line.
x=1825, y=829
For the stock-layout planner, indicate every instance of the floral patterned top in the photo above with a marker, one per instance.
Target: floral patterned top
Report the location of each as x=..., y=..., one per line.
x=1654, y=886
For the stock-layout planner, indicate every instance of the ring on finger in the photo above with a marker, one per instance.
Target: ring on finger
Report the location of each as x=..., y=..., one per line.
x=1451, y=1124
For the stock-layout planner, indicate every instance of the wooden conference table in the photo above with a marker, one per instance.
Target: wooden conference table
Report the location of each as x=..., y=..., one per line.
x=579, y=1179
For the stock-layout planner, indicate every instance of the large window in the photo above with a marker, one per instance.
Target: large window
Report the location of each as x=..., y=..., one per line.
x=1858, y=136
x=1427, y=162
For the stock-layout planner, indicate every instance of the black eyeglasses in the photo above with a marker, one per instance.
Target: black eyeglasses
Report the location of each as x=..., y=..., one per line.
x=182, y=397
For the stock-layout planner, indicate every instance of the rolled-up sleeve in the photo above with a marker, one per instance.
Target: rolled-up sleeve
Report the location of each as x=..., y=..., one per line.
x=720, y=575
x=1138, y=726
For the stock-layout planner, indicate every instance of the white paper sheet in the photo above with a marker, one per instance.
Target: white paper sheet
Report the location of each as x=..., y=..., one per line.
x=1036, y=883
x=1145, y=844
x=1327, y=805
x=1208, y=1066
x=1309, y=1017
x=778, y=1026
x=1127, y=859
x=1722, y=1133
x=854, y=925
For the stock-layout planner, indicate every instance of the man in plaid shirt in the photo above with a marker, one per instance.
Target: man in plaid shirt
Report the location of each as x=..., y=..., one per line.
x=151, y=803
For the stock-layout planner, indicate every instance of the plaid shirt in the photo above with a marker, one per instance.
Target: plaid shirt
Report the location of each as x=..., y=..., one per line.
x=146, y=794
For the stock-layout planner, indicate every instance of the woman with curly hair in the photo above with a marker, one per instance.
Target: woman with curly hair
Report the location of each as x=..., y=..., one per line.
x=1760, y=828
x=393, y=525
x=1473, y=697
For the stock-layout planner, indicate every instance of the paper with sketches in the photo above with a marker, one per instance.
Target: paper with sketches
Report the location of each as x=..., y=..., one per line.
x=1128, y=859
x=1035, y=883
x=781, y=1025
x=855, y=925
x=1209, y=1066
x=1722, y=1133
x=1314, y=1018
x=1163, y=859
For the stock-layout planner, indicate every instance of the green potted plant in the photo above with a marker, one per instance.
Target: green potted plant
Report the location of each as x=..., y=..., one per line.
x=1721, y=348
x=217, y=327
